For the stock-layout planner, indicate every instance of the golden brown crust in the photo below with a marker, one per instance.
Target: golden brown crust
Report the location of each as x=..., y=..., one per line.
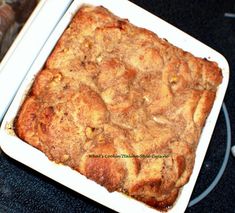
x=121, y=106
x=105, y=170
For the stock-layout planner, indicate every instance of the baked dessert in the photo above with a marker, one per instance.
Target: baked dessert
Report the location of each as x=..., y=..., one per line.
x=121, y=106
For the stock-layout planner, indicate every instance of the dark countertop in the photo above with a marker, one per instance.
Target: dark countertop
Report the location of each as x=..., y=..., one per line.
x=24, y=190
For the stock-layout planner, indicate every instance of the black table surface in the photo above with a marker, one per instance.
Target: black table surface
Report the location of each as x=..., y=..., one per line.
x=24, y=190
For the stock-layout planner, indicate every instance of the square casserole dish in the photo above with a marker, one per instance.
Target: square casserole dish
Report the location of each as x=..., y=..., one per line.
x=30, y=156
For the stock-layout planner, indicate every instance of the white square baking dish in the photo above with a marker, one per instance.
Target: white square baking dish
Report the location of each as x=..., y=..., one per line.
x=26, y=154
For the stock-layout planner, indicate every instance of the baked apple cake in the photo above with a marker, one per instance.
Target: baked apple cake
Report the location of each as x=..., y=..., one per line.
x=121, y=106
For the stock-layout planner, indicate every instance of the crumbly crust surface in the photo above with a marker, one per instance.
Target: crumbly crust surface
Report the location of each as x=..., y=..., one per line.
x=112, y=89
